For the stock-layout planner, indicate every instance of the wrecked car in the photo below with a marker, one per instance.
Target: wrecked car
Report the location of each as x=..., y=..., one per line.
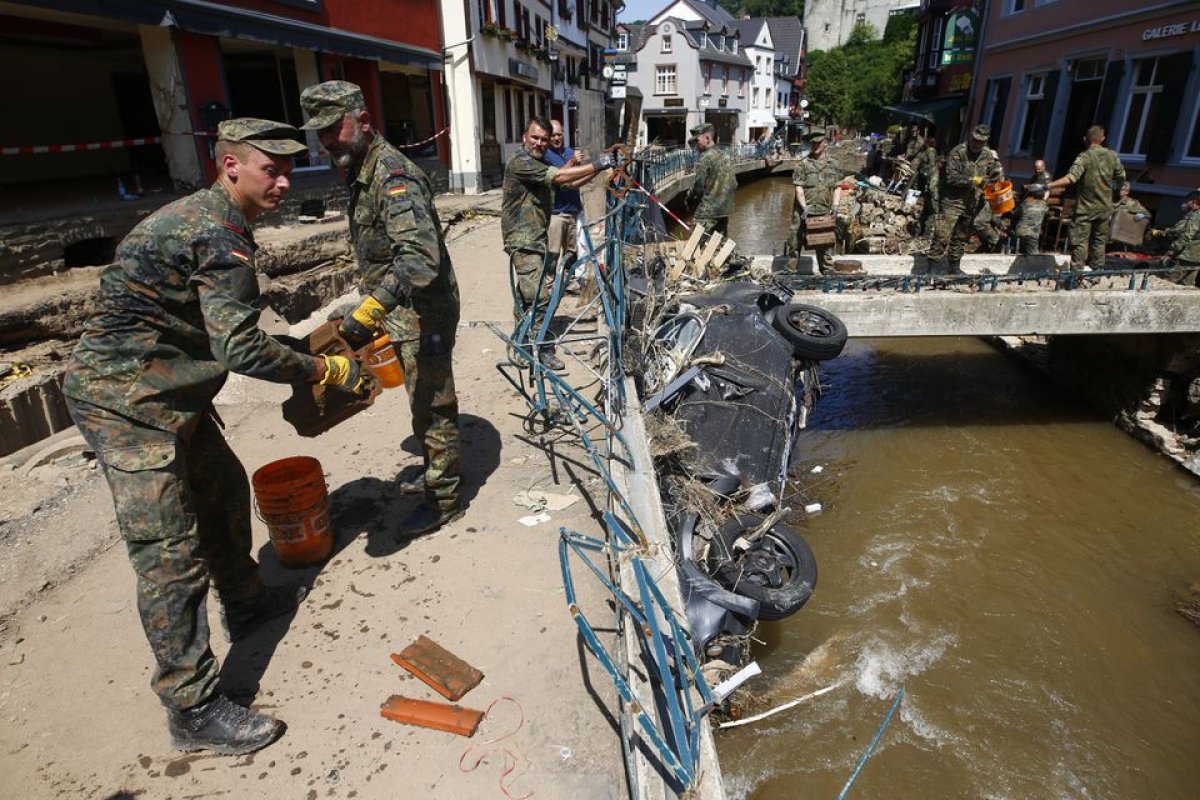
x=729, y=377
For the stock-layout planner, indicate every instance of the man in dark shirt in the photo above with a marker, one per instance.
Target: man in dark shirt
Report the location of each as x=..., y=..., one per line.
x=568, y=205
x=524, y=220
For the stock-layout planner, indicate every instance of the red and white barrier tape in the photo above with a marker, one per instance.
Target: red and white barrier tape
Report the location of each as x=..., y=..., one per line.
x=76, y=148
x=88, y=146
x=442, y=132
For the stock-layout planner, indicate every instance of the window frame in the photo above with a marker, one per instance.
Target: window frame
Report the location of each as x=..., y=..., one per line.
x=1192, y=138
x=1132, y=90
x=665, y=44
x=1027, y=96
x=658, y=74
x=622, y=42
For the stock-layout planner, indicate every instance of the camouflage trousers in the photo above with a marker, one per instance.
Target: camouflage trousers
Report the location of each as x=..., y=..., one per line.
x=951, y=231
x=425, y=349
x=1088, y=236
x=1027, y=244
x=1187, y=273
x=713, y=224
x=533, y=280
x=183, y=507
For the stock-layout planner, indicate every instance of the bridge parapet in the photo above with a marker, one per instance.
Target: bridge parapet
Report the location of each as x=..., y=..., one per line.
x=994, y=298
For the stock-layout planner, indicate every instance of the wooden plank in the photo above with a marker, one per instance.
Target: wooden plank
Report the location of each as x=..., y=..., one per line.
x=710, y=250
x=723, y=254
x=689, y=249
x=676, y=271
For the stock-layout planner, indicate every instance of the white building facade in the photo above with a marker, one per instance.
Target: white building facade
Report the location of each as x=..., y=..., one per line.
x=510, y=60
x=759, y=48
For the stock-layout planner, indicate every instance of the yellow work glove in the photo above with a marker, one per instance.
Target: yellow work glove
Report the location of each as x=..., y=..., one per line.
x=1155, y=232
x=977, y=180
x=346, y=374
x=360, y=327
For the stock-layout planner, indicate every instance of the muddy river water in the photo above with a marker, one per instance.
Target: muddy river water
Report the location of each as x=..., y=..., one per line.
x=1001, y=552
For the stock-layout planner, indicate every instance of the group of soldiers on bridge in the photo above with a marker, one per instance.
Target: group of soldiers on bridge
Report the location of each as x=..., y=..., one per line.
x=954, y=207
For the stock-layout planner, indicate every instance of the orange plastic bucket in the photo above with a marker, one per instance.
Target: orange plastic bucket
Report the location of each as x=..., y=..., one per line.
x=1000, y=196
x=380, y=358
x=291, y=497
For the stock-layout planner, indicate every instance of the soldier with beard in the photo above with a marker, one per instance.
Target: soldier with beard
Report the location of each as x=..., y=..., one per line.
x=408, y=280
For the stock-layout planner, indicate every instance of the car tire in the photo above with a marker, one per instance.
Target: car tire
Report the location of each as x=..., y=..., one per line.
x=779, y=570
x=813, y=332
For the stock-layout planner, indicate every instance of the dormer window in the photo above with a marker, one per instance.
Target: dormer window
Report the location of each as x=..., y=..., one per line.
x=721, y=44
x=733, y=46
x=703, y=39
x=622, y=42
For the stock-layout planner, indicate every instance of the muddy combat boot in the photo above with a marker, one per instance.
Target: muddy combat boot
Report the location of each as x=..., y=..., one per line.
x=222, y=726
x=411, y=480
x=243, y=617
x=428, y=518
x=550, y=360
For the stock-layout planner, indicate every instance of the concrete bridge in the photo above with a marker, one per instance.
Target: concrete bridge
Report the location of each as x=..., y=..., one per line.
x=999, y=296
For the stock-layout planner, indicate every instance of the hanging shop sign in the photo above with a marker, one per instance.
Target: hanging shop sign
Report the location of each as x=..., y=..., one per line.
x=962, y=30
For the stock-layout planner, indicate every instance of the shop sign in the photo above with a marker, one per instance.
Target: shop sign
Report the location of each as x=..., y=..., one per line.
x=958, y=46
x=722, y=102
x=673, y=102
x=1167, y=31
x=520, y=69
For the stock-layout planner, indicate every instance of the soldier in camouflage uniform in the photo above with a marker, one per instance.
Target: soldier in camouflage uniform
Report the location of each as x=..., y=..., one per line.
x=524, y=220
x=817, y=179
x=1031, y=214
x=1095, y=171
x=714, y=184
x=927, y=165
x=915, y=144
x=408, y=282
x=1131, y=205
x=1184, y=237
x=968, y=166
x=175, y=313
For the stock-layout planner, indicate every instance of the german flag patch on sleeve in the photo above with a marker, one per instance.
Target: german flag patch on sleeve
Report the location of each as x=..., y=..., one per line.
x=400, y=188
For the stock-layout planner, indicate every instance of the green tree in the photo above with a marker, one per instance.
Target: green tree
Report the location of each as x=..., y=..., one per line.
x=849, y=85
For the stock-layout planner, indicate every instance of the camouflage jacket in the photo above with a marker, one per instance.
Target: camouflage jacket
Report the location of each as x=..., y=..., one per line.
x=1185, y=238
x=958, y=188
x=818, y=177
x=1132, y=206
x=1094, y=172
x=915, y=147
x=1030, y=216
x=528, y=198
x=174, y=314
x=397, y=236
x=714, y=186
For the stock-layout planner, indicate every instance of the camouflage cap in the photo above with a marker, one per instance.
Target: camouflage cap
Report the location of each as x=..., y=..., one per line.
x=326, y=102
x=981, y=133
x=703, y=128
x=814, y=136
x=276, y=138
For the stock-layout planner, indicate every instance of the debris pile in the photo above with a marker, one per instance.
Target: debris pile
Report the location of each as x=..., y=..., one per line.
x=880, y=222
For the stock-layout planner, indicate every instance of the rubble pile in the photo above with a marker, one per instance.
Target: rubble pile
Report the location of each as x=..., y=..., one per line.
x=880, y=222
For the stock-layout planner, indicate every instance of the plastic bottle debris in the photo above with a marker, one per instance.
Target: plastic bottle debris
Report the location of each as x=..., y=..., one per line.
x=812, y=508
x=817, y=470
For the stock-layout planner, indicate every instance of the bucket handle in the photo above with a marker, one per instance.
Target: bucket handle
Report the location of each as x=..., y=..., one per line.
x=303, y=513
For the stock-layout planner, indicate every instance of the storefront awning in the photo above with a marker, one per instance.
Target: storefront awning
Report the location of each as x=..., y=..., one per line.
x=940, y=111
x=664, y=112
x=216, y=19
